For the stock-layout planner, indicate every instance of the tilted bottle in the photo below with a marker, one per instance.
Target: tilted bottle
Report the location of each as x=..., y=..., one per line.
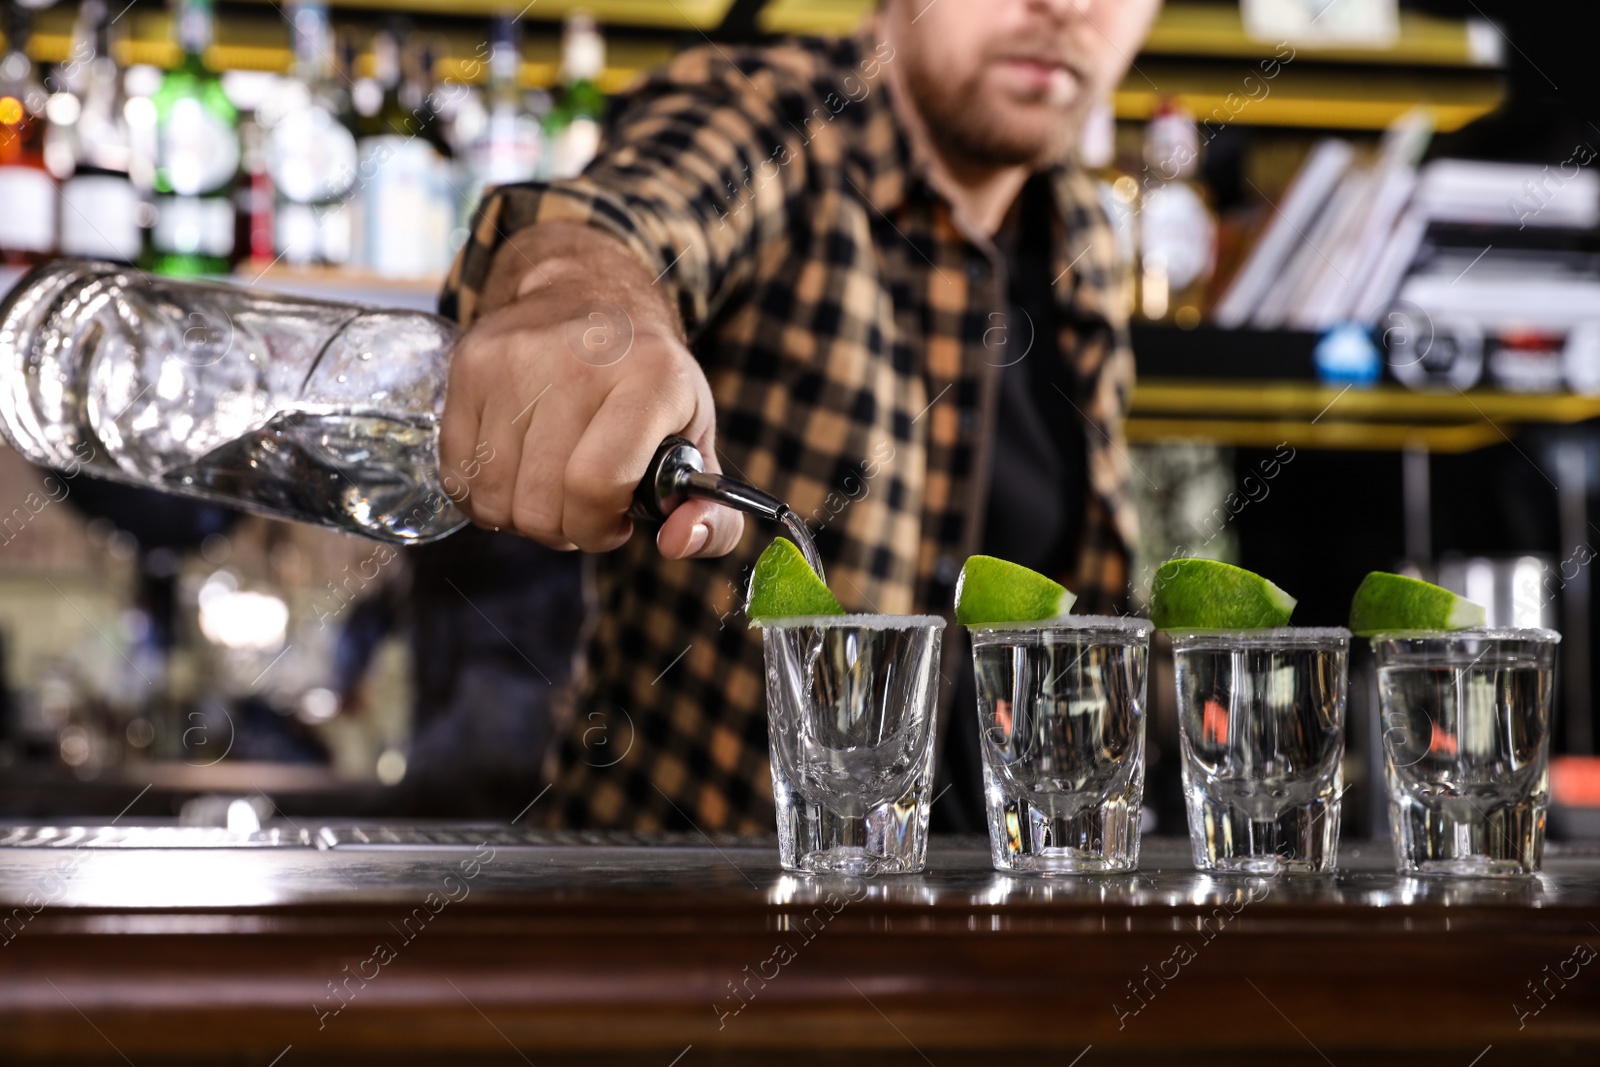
x=296, y=408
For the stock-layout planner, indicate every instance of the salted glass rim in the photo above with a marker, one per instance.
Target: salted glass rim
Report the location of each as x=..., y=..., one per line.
x=1263, y=637
x=1129, y=624
x=859, y=621
x=1476, y=633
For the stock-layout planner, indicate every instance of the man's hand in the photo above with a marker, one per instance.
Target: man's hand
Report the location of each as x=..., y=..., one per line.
x=569, y=386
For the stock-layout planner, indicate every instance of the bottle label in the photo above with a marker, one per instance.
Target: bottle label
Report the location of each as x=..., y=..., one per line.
x=307, y=233
x=509, y=150
x=409, y=208
x=199, y=151
x=194, y=226
x=574, y=147
x=311, y=156
x=27, y=210
x=100, y=218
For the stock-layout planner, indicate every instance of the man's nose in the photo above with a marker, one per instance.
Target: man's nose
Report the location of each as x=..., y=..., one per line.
x=1063, y=10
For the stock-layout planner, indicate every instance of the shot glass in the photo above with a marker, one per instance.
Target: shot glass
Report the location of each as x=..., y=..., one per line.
x=1061, y=710
x=1466, y=748
x=1261, y=727
x=851, y=705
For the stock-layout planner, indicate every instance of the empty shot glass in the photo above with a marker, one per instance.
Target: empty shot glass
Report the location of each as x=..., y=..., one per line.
x=851, y=705
x=1466, y=748
x=1061, y=709
x=1261, y=727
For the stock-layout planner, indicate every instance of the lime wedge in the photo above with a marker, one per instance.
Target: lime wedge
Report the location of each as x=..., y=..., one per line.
x=1203, y=594
x=1387, y=602
x=993, y=591
x=783, y=586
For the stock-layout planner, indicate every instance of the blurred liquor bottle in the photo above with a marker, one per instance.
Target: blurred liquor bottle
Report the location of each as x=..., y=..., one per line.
x=424, y=106
x=27, y=189
x=509, y=145
x=197, y=158
x=100, y=208
x=573, y=125
x=407, y=200
x=1118, y=192
x=1177, y=227
x=311, y=152
x=255, y=199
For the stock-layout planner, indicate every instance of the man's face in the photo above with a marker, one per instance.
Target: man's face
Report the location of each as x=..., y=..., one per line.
x=1008, y=82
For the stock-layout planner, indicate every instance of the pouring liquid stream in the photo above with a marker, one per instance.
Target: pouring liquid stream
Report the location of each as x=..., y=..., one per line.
x=677, y=472
x=796, y=527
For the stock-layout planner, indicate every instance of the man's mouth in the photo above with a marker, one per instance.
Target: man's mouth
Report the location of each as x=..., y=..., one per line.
x=1042, y=75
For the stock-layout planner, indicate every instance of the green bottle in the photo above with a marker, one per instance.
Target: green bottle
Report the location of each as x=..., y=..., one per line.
x=573, y=125
x=197, y=158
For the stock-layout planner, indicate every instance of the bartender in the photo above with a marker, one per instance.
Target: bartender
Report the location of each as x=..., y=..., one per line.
x=860, y=274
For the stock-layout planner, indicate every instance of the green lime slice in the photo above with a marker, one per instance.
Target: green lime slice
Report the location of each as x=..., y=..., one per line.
x=783, y=586
x=1388, y=602
x=1203, y=594
x=994, y=591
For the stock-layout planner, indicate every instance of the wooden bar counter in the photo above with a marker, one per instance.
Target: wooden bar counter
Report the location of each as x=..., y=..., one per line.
x=468, y=945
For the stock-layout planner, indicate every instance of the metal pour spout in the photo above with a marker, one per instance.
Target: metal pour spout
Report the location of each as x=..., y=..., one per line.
x=678, y=471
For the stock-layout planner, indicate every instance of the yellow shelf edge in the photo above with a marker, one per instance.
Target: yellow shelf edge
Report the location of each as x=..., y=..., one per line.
x=1217, y=30
x=1280, y=399
x=666, y=14
x=1329, y=434
x=1210, y=30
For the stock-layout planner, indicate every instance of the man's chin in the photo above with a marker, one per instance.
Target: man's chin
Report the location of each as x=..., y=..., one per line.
x=987, y=126
x=991, y=147
x=1013, y=139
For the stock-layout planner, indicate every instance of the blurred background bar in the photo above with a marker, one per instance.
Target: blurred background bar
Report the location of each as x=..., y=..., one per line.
x=1366, y=313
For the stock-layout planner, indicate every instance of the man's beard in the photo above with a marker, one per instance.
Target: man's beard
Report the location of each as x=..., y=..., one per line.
x=964, y=132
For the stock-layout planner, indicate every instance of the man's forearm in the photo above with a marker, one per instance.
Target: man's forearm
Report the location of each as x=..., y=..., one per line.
x=578, y=264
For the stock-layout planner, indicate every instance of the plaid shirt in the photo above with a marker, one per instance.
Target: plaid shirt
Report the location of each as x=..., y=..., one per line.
x=848, y=327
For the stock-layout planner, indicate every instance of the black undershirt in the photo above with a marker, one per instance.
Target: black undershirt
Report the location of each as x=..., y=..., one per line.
x=1038, y=477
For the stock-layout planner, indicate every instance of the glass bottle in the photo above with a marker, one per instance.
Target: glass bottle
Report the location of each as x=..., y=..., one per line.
x=27, y=189
x=1177, y=228
x=100, y=207
x=407, y=203
x=573, y=125
x=197, y=158
x=311, y=154
x=422, y=104
x=296, y=408
x=510, y=145
x=390, y=114
x=65, y=87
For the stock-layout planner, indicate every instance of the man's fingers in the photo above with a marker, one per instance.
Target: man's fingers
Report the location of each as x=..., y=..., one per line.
x=722, y=526
x=615, y=450
x=549, y=433
x=480, y=440
x=700, y=529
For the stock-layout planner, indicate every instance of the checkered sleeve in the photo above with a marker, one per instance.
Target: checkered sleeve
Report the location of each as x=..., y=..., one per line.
x=693, y=176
